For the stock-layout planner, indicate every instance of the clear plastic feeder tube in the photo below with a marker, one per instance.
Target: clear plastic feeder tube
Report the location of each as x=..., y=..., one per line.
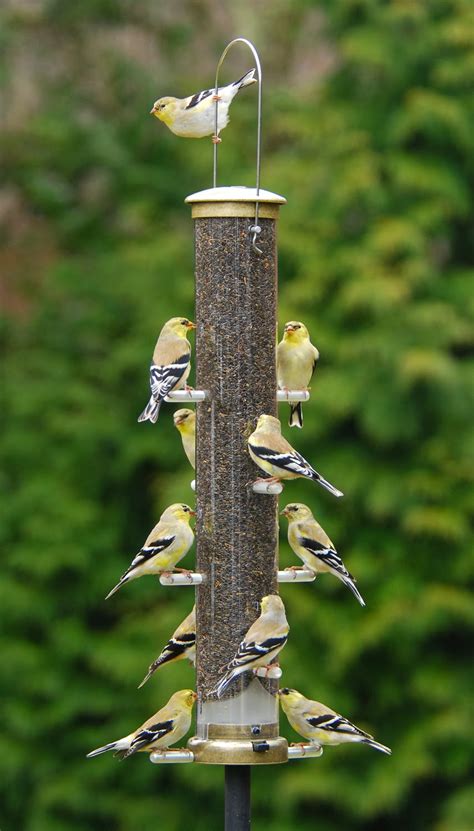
x=237, y=529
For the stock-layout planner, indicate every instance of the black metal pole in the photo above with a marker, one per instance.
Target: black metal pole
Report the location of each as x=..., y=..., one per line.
x=237, y=798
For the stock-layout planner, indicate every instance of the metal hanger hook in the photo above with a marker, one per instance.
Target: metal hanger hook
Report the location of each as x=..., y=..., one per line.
x=255, y=229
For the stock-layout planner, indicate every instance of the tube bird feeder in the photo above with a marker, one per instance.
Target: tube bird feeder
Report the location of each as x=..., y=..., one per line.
x=236, y=529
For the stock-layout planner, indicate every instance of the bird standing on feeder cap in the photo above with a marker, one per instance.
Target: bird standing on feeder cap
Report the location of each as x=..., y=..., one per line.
x=171, y=364
x=182, y=644
x=319, y=724
x=167, y=544
x=194, y=116
x=264, y=640
x=185, y=422
x=273, y=454
x=296, y=361
x=312, y=545
x=166, y=727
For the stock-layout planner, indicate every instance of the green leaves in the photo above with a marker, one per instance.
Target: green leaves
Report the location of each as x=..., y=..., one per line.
x=367, y=132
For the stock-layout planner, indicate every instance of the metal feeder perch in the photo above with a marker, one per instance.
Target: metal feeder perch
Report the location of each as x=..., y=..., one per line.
x=193, y=578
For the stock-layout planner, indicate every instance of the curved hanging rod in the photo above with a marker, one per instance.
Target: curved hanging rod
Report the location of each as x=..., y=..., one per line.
x=254, y=229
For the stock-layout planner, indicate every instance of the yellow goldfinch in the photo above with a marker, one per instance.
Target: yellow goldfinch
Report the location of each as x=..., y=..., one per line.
x=185, y=421
x=312, y=545
x=164, y=547
x=263, y=641
x=171, y=364
x=182, y=644
x=321, y=725
x=273, y=454
x=296, y=360
x=194, y=117
x=166, y=727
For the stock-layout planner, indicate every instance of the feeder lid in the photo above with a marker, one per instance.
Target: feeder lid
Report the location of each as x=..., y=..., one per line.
x=235, y=193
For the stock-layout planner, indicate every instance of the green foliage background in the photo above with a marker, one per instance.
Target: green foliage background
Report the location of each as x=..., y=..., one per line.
x=368, y=125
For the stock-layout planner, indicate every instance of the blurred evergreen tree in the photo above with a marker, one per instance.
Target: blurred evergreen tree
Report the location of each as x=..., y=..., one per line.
x=368, y=132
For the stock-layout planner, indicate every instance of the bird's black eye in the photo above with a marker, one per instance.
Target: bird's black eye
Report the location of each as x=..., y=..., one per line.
x=185, y=508
x=185, y=322
x=293, y=508
x=285, y=690
x=296, y=327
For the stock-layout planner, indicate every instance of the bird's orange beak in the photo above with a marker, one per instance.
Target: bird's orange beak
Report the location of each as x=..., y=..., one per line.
x=290, y=329
x=192, y=513
x=191, y=325
x=195, y=695
x=284, y=512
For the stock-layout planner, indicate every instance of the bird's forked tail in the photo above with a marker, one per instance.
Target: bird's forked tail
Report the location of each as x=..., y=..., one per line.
x=350, y=583
x=124, y=579
x=246, y=80
x=162, y=659
x=377, y=746
x=151, y=411
x=296, y=415
x=316, y=477
x=104, y=749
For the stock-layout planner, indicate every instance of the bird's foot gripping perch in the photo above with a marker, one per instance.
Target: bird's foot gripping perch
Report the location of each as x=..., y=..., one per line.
x=303, y=746
x=272, y=671
x=215, y=139
x=186, y=571
x=269, y=485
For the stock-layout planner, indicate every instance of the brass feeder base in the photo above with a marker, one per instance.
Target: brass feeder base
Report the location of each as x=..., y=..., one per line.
x=239, y=745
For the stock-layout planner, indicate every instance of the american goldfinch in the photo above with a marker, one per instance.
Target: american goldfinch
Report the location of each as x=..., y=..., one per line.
x=296, y=360
x=185, y=421
x=171, y=364
x=312, y=545
x=166, y=727
x=321, y=725
x=194, y=117
x=182, y=644
x=263, y=641
x=273, y=454
x=164, y=547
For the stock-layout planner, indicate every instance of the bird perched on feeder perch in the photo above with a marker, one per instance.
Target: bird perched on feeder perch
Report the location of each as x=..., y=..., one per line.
x=171, y=364
x=194, y=116
x=319, y=724
x=167, y=544
x=182, y=644
x=264, y=640
x=296, y=360
x=312, y=545
x=166, y=727
x=185, y=422
x=273, y=454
